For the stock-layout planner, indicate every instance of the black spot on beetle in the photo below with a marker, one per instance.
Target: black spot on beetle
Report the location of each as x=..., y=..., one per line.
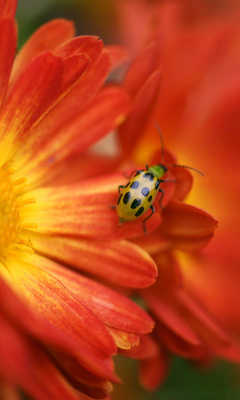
x=145, y=191
x=135, y=203
x=157, y=184
x=139, y=212
x=134, y=185
x=119, y=199
x=150, y=198
x=148, y=175
x=126, y=197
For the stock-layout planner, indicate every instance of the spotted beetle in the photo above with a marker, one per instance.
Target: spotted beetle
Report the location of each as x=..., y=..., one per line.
x=140, y=192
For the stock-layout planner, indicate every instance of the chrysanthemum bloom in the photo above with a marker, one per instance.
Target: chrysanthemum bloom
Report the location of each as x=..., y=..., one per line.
x=195, y=297
x=59, y=328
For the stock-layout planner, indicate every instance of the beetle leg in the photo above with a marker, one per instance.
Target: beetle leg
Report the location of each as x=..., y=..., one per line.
x=120, y=187
x=136, y=172
x=144, y=221
x=160, y=200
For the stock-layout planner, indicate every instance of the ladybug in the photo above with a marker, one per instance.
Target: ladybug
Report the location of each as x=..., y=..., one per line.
x=139, y=194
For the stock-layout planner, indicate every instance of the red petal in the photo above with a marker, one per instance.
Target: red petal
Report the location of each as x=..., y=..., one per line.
x=69, y=106
x=172, y=318
x=119, y=262
x=58, y=342
x=124, y=340
x=184, y=181
x=38, y=85
x=141, y=69
x=110, y=307
x=8, y=8
x=46, y=38
x=56, y=303
x=7, y=53
x=153, y=371
x=178, y=344
x=205, y=324
x=26, y=365
x=67, y=210
x=98, y=119
x=147, y=348
x=141, y=113
x=184, y=224
x=117, y=55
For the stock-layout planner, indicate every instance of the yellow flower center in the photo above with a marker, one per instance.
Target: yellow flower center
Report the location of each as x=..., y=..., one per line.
x=11, y=223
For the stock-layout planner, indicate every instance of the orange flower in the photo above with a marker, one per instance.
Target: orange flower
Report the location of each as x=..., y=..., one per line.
x=59, y=328
x=194, y=298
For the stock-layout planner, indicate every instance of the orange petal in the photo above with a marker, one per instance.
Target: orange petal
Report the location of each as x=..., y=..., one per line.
x=63, y=347
x=111, y=308
x=89, y=165
x=178, y=344
x=56, y=303
x=67, y=210
x=8, y=8
x=147, y=348
x=184, y=181
x=188, y=227
x=27, y=365
x=202, y=321
x=141, y=113
x=69, y=107
x=117, y=54
x=7, y=53
x=141, y=68
x=124, y=340
x=38, y=86
x=120, y=262
x=153, y=371
x=172, y=319
x=98, y=119
x=46, y=38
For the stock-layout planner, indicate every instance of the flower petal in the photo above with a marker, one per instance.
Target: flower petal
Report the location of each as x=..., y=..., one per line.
x=7, y=53
x=141, y=112
x=119, y=262
x=46, y=38
x=178, y=344
x=70, y=211
x=8, y=8
x=202, y=320
x=90, y=125
x=172, y=319
x=24, y=362
x=117, y=55
x=188, y=227
x=111, y=308
x=38, y=86
x=141, y=68
x=56, y=303
x=147, y=348
x=69, y=107
x=153, y=371
x=124, y=340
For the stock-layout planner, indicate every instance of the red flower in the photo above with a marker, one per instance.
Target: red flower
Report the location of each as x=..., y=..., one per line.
x=193, y=300
x=60, y=328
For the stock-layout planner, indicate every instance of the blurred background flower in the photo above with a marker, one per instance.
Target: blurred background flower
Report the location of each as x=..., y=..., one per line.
x=198, y=112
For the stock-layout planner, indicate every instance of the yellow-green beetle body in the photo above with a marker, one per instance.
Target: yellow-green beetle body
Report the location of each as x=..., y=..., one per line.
x=139, y=194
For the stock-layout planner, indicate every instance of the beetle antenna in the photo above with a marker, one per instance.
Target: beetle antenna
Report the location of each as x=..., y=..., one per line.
x=162, y=143
x=186, y=166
